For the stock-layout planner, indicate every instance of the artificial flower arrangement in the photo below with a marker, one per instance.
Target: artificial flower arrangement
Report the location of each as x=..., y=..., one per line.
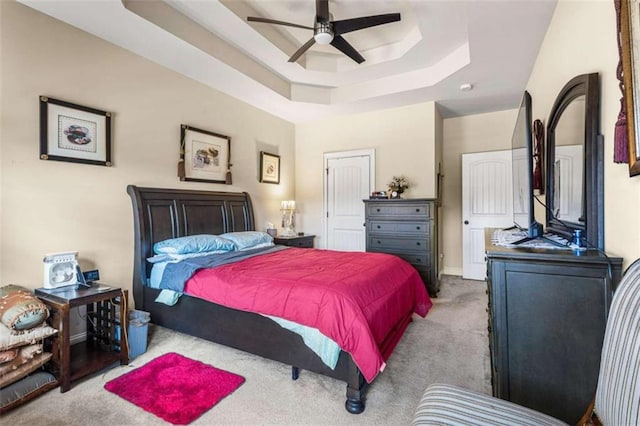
x=397, y=186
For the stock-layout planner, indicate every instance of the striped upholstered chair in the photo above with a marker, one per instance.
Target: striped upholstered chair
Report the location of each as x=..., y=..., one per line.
x=617, y=399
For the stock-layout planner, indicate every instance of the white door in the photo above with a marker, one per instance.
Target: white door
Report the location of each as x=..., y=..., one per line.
x=486, y=203
x=349, y=180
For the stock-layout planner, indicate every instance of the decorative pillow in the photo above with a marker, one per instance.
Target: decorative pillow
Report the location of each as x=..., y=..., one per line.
x=8, y=355
x=193, y=244
x=9, y=340
x=248, y=239
x=20, y=309
x=12, y=396
x=26, y=368
x=25, y=354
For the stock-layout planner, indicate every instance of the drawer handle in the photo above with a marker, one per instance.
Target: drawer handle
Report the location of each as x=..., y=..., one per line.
x=377, y=210
x=418, y=243
x=378, y=226
x=418, y=228
x=417, y=210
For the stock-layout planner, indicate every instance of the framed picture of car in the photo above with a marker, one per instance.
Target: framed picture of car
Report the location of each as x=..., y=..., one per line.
x=205, y=155
x=75, y=133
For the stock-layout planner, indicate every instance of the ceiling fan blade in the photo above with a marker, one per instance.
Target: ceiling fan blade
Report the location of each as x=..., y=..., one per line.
x=348, y=25
x=322, y=10
x=343, y=45
x=273, y=21
x=302, y=50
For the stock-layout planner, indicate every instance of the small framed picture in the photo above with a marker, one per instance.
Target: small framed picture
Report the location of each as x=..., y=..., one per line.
x=206, y=155
x=269, y=168
x=75, y=133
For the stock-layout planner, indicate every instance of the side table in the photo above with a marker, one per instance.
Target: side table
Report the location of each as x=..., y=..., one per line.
x=106, y=310
x=302, y=241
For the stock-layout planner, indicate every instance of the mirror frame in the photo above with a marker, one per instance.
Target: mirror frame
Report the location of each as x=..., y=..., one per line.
x=593, y=172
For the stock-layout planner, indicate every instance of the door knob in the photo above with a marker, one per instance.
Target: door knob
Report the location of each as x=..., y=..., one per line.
x=466, y=222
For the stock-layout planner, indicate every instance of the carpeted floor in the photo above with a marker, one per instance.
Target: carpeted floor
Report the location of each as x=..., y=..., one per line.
x=450, y=345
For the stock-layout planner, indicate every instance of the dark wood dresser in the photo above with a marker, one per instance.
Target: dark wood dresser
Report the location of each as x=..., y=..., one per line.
x=547, y=315
x=406, y=228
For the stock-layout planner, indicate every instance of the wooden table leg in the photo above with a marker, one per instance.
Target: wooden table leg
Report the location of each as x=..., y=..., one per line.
x=65, y=348
x=124, y=328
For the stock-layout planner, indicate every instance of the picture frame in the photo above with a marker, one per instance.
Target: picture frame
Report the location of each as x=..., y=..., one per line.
x=630, y=53
x=204, y=156
x=269, y=168
x=74, y=133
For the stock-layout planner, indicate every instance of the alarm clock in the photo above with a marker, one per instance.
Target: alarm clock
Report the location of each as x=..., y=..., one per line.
x=60, y=269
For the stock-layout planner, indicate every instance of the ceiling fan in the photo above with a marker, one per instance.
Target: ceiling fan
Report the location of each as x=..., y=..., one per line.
x=326, y=31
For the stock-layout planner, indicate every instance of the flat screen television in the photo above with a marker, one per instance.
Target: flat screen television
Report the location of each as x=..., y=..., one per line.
x=522, y=176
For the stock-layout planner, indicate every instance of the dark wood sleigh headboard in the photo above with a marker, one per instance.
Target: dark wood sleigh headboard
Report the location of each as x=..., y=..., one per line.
x=161, y=213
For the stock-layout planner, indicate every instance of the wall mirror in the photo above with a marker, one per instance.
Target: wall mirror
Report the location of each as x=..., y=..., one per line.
x=575, y=162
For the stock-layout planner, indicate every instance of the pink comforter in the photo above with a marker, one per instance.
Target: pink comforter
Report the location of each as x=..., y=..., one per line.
x=354, y=298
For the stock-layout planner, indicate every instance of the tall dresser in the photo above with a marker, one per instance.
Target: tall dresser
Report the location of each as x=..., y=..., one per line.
x=547, y=314
x=406, y=228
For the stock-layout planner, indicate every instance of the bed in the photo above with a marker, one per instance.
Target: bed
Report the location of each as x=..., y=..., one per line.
x=161, y=214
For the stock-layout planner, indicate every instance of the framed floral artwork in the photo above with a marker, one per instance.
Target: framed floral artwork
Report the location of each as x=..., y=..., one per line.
x=269, y=168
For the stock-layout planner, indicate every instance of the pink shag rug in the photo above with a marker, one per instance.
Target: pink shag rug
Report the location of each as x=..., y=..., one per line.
x=175, y=388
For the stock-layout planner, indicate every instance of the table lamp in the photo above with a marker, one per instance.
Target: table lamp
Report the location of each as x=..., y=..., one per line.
x=288, y=208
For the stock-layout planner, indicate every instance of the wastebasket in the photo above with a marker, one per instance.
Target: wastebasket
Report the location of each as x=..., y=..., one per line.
x=138, y=330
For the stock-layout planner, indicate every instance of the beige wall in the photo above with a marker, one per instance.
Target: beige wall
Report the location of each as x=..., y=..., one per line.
x=474, y=133
x=404, y=142
x=582, y=39
x=52, y=206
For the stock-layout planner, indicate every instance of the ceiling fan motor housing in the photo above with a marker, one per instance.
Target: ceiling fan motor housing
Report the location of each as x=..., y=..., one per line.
x=323, y=32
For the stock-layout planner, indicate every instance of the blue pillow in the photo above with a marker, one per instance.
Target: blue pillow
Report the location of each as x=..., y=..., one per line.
x=249, y=239
x=193, y=244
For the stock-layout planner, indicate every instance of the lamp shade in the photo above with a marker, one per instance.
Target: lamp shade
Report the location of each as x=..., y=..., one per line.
x=288, y=205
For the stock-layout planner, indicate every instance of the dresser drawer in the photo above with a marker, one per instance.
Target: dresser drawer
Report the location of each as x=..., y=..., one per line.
x=405, y=210
x=386, y=243
x=416, y=228
x=421, y=260
x=416, y=259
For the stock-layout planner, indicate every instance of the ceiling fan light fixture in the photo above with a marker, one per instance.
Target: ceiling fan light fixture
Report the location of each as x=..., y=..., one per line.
x=323, y=38
x=323, y=33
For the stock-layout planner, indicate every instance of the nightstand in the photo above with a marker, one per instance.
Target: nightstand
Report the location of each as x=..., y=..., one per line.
x=302, y=241
x=106, y=310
